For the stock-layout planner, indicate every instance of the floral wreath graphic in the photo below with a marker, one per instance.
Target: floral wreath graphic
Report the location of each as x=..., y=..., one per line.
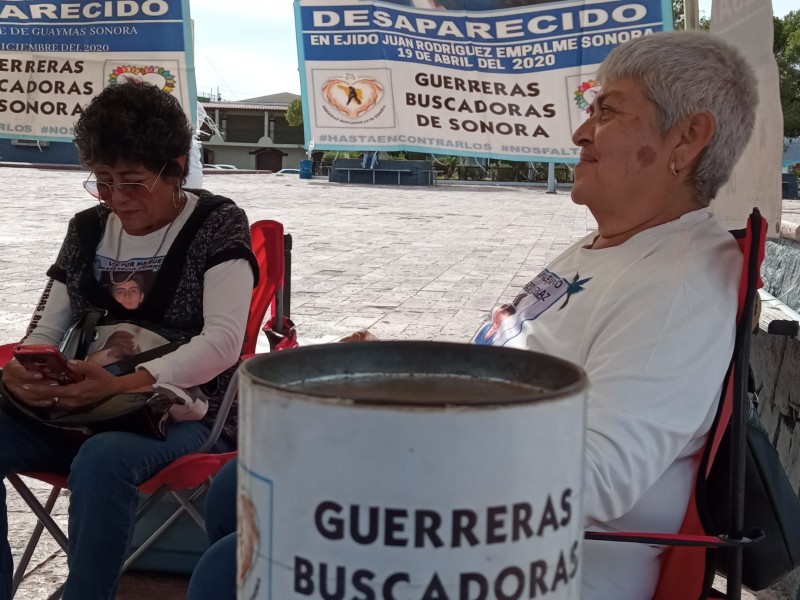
x=581, y=99
x=139, y=74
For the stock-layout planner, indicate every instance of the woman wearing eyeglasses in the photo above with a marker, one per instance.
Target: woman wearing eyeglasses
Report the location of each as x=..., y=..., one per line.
x=188, y=252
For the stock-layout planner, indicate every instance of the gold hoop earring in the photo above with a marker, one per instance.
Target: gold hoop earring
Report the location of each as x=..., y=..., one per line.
x=672, y=168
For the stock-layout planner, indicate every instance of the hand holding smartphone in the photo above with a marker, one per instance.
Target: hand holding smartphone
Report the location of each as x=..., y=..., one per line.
x=47, y=360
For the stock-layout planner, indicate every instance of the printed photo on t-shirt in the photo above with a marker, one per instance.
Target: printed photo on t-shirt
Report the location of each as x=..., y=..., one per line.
x=117, y=342
x=129, y=281
x=539, y=294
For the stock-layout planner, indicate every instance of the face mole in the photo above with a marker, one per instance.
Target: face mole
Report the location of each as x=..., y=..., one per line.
x=646, y=155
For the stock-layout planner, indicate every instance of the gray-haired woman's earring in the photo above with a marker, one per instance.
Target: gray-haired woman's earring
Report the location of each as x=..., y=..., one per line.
x=672, y=168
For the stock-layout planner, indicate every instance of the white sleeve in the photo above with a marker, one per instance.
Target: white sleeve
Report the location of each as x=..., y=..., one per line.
x=655, y=366
x=227, y=290
x=52, y=317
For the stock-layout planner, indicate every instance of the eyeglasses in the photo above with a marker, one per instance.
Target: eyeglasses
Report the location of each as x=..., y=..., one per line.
x=105, y=191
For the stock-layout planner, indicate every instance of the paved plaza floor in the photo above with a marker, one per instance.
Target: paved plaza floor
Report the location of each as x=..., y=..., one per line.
x=411, y=263
x=404, y=262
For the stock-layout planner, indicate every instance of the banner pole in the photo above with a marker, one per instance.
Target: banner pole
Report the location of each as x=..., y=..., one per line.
x=551, y=178
x=691, y=16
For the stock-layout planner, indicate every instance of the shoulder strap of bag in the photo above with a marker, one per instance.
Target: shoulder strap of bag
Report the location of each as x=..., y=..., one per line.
x=128, y=365
x=87, y=327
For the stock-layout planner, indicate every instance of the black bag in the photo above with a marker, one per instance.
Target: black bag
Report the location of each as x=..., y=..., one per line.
x=770, y=504
x=142, y=413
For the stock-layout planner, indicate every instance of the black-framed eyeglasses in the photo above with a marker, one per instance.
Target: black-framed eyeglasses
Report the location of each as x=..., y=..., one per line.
x=105, y=191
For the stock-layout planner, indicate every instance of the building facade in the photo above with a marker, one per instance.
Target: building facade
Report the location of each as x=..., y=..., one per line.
x=252, y=134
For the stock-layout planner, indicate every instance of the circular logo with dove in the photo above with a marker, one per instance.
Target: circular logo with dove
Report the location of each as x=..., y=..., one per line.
x=353, y=96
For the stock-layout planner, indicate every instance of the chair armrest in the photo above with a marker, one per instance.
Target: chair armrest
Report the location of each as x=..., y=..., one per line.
x=222, y=414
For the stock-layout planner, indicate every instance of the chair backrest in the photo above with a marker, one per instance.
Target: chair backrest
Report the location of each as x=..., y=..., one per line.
x=687, y=572
x=267, y=239
x=6, y=353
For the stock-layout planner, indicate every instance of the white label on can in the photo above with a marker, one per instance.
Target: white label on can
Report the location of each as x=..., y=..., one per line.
x=355, y=503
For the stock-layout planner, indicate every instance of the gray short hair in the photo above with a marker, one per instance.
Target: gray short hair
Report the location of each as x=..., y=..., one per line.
x=687, y=72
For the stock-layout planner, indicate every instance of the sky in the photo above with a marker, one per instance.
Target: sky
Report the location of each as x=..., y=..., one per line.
x=247, y=48
x=244, y=48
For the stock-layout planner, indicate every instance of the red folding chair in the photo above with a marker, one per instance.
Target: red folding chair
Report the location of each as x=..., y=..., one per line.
x=273, y=250
x=188, y=477
x=687, y=565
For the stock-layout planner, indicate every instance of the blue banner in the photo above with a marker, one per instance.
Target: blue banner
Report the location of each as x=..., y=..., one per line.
x=56, y=56
x=492, y=80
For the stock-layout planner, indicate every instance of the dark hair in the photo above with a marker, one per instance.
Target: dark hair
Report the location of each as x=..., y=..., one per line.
x=136, y=278
x=137, y=123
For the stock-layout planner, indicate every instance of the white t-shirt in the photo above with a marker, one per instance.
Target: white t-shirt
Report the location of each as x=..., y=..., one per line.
x=652, y=321
x=227, y=289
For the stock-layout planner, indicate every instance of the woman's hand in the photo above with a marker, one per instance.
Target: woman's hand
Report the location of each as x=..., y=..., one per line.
x=97, y=383
x=36, y=391
x=29, y=386
x=362, y=335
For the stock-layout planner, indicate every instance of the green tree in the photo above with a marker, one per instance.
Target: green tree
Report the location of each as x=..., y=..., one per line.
x=786, y=45
x=294, y=113
x=447, y=166
x=678, y=12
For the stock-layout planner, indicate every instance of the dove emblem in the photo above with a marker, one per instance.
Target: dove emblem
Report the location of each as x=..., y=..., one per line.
x=353, y=98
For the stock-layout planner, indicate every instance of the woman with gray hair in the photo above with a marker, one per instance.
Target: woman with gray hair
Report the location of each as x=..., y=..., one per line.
x=647, y=303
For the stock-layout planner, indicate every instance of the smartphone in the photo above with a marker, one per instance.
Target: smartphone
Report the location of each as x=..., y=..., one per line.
x=47, y=360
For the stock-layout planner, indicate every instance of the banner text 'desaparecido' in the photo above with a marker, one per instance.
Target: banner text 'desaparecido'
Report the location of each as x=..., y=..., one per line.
x=508, y=52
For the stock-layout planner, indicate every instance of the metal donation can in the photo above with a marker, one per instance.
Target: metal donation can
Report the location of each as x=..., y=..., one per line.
x=410, y=471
